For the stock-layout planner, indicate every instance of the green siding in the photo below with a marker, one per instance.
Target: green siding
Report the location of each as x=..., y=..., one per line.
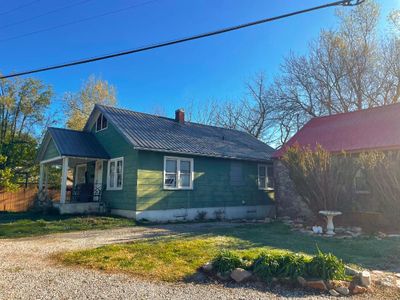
x=51, y=150
x=117, y=146
x=211, y=187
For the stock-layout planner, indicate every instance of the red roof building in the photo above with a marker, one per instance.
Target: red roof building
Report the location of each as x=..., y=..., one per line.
x=369, y=129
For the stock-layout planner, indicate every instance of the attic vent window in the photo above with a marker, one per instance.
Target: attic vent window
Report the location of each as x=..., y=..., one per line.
x=101, y=123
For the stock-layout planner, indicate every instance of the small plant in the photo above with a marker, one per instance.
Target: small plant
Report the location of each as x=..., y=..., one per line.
x=326, y=266
x=219, y=214
x=201, y=215
x=226, y=261
x=266, y=266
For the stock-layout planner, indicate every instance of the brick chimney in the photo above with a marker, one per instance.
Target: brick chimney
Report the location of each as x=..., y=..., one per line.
x=180, y=116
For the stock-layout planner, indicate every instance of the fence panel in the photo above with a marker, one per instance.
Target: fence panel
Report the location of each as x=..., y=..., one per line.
x=18, y=201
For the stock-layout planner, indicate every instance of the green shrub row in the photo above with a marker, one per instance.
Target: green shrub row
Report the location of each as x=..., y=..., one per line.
x=268, y=265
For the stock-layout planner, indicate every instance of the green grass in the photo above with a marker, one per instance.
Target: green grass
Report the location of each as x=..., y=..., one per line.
x=175, y=259
x=15, y=225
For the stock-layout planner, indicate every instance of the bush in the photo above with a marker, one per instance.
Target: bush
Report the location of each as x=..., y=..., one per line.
x=268, y=265
x=226, y=261
x=290, y=265
x=326, y=266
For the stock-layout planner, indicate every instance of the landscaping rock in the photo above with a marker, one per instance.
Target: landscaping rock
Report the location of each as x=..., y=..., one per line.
x=240, y=275
x=365, y=278
x=332, y=292
x=397, y=275
x=222, y=277
x=350, y=271
x=301, y=281
x=208, y=267
x=358, y=290
x=316, y=285
x=342, y=290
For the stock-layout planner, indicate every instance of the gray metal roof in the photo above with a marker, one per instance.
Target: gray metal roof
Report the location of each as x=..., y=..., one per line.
x=155, y=133
x=77, y=143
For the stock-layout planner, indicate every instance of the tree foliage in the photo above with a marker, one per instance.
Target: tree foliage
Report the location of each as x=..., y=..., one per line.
x=322, y=180
x=79, y=105
x=24, y=113
x=383, y=175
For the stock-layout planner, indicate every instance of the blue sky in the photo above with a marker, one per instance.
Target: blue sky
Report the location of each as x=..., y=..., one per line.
x=168, y=78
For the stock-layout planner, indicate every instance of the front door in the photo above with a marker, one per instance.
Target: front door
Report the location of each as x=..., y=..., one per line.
x=98, y=173
x=98, y=180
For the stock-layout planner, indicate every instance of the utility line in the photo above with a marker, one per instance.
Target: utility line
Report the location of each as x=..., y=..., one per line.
x=19, y=7
x=44, y=14
x=76, y=22
x=183, y=40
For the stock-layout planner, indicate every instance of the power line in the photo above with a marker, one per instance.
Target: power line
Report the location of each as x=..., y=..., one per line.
x=183, y=40
x=76, y=22
x=19, y=7
x=44, y=14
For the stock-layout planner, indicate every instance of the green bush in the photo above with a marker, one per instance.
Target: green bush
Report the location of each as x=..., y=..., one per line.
x=268, y=265
x=326, y=266
x=290, y=265
x=226, y=261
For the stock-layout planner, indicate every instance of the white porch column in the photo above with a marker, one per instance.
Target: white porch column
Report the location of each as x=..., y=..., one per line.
x=64, y=179
x=41, y=174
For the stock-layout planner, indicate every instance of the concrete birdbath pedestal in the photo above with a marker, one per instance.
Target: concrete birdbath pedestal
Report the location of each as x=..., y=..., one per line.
x=329, y=214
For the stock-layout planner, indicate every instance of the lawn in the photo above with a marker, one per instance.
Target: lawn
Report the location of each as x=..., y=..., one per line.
x=15, y=225
x=176, y=259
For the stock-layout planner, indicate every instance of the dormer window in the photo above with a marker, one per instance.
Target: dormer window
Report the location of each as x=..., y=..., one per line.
x=101, y=123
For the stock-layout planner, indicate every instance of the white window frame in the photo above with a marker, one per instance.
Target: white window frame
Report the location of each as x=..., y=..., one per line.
x=115, y=188
x=178, y=171
x=101, y=127
x=265, y=188
x=357, y=191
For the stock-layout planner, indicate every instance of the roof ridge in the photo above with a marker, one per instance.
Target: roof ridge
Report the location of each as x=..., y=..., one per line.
x=67, y=129
x=172, y=119
x=384, y=106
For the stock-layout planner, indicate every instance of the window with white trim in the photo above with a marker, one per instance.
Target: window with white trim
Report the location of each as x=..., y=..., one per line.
x=361, y=182
x=265, y=177
x=178, y=173
x=101, y=123
x=115, y=173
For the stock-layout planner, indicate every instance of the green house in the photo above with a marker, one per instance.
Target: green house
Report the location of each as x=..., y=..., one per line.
x=150, y=167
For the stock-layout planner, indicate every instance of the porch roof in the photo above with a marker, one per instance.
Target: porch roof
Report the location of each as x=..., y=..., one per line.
x=75, y=143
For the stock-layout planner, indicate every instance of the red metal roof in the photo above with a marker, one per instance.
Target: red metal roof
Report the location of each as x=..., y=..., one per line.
x=368, y=129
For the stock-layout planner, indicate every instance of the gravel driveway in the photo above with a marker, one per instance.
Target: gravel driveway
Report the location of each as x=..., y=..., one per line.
x=26, y=272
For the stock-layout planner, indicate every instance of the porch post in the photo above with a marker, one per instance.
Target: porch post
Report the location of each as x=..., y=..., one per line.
x=64, y=180
x=41, y=173
x=46, y=177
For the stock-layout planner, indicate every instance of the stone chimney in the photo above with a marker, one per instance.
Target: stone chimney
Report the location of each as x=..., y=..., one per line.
x=180, y=116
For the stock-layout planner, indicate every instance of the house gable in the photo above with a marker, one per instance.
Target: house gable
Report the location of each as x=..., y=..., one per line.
x=50, y=151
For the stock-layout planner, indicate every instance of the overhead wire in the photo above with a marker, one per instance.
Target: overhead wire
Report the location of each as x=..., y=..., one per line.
x=183, y=40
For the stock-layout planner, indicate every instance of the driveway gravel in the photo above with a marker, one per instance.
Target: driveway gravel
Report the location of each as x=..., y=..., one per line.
x=27, y=272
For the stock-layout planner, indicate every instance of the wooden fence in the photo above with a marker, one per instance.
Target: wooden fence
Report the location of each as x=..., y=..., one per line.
x=18, y=201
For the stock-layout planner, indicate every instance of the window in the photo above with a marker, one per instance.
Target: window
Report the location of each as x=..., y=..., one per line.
x=236, y=174
x=265, y=177
x=178, y=173
x=361, y=182
x=101, y=123
x=115, y=174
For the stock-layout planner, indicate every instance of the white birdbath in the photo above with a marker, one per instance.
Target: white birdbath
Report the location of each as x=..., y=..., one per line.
x=329, y=214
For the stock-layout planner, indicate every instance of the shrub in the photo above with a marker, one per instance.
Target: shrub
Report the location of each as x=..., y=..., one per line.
x=290, y=265
x=226, y=261
x=326, y=266
x=201, y=215
x=266, y=266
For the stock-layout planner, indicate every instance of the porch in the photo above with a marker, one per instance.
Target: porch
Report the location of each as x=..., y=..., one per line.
x=81, y=184
x=75, y=162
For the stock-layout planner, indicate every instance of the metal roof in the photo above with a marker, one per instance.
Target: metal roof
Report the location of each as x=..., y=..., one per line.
x=155, y=133
x=77, y=143
x=368, y=129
